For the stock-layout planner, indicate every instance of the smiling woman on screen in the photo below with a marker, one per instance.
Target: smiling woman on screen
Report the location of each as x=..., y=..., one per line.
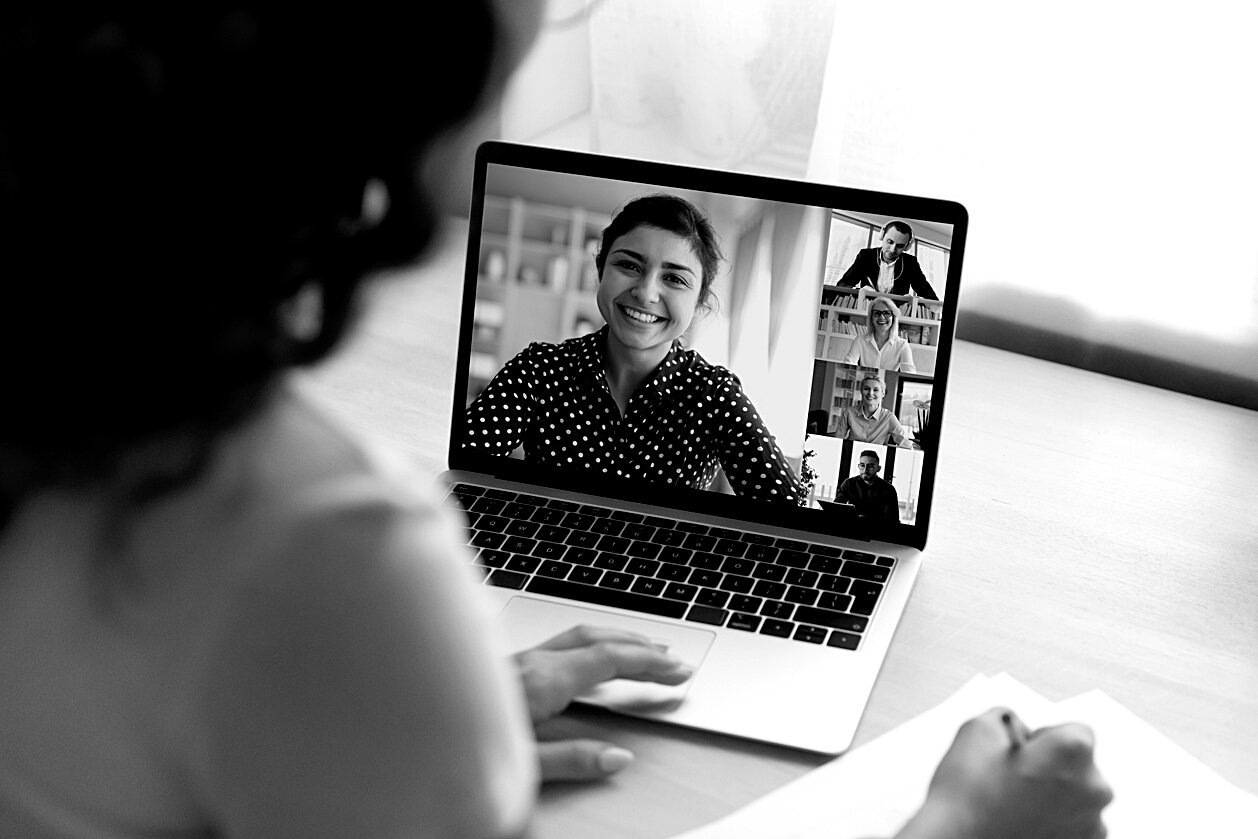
x=629, y=400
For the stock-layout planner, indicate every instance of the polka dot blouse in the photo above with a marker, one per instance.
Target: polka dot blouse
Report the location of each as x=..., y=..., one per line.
x=684, y=420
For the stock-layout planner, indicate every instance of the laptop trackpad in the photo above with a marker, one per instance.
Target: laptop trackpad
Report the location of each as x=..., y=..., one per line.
x=526, y=622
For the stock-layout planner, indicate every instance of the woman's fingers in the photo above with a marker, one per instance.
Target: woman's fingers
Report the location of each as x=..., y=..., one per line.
x=553, y=677
x=580, y=760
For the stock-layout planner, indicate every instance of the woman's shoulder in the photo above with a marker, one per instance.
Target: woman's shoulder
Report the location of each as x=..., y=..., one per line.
x=545, y=356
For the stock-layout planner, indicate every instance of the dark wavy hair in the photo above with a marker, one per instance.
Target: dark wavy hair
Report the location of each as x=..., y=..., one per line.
x=170, y=178
x=676, y=215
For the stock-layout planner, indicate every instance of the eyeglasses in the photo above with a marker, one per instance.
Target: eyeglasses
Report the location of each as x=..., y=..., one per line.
x=882, y=314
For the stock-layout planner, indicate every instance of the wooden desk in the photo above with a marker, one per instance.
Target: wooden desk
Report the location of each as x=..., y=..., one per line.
x=1089, y=533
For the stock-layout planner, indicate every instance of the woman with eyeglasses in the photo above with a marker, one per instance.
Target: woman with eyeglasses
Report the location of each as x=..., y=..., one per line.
x=881, y=345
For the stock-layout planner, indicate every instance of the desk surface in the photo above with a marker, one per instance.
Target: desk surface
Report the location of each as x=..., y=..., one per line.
x=1089, y=533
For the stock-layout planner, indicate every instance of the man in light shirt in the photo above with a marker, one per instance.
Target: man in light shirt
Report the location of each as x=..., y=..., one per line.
x=890, y=269
x=869, y=422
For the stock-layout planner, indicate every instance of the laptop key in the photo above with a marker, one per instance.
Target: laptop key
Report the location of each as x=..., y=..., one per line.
x=700, y=542
x=500, y=494
x=586, y=576
x=864, y=571
x=549, y=550
x=675, y=554
x=744, y=603
x=492, y=558
x=843, y=640
x=470, y=489
x=577, y=521
x=672, y=571
x=668, y=536
x=800, y=577
x=638, y=531
x=833, y=600
x=747, y=623
x=777, y=609
x=554, y=568
x=707, y=614
x=710, y=579
x=608, y=527
x=617, y=580
x=649, y=585
x=583, y=538
x=646, y=550
x=495, y=523
x=793, y=559
x=615, y=544
x=548, y=515
x=864, y=596
x=730, y=547
x=581, y=556
x=488, y=539
x=706, y=561
x=520, y=527
x=600, y=596
x=551, y=533
x=681, y=591
x=519, y=545
x=712, y=597
x=781, y=629
x=488, y=505
x=764, y=553
x=769, y=590
x=799, y=594
x=516, y=510
x=810, y=634
x=833, y=620
x=611, y=562
x=769, y=571
x=832, y=582
x=523, y=564
x=506, y=579
x=643, y=567
x=735, y=583
x=825, y=564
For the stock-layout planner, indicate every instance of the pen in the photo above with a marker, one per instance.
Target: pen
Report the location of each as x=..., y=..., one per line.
x=1015, y=739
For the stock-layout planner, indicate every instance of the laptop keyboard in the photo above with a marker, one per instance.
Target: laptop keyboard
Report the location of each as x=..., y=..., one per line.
x=815, y=594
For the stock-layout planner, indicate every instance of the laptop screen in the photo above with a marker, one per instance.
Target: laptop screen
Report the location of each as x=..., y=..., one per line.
x=764, y=349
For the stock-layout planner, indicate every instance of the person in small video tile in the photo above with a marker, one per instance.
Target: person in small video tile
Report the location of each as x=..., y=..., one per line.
x=873, y=497
x=889, y=268
x=868, y=422
x=881, y=346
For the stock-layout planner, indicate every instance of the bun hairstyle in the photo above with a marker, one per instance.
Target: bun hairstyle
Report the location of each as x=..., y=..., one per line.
x=170, y=180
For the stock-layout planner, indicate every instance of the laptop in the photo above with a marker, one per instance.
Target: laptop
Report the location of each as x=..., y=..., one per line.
x=786, y=606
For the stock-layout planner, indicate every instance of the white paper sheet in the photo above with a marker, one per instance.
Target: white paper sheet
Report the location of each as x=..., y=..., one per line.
x=1160, y=790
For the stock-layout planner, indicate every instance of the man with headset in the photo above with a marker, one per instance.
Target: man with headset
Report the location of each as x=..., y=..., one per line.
x=889, y=269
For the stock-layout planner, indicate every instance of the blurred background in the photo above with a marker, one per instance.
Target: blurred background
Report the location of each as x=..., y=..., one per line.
x=1105, y=150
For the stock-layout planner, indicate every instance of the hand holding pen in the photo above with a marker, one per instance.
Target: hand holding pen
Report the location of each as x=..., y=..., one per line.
x=1001, y=779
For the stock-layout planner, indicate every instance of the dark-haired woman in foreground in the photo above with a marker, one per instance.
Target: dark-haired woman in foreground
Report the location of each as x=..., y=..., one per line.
x=222, y=612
